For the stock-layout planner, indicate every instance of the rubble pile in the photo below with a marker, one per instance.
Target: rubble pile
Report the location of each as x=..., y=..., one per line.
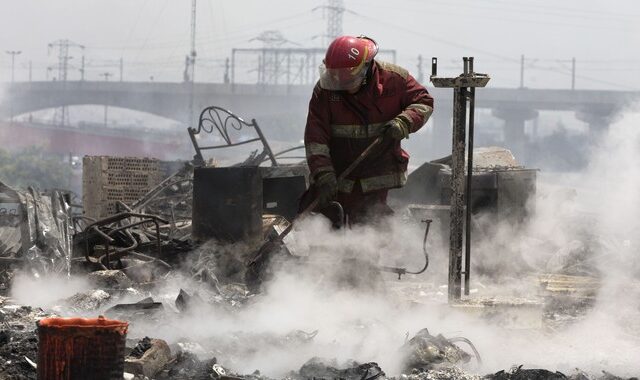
x=143, y=265
x=445, y=373
x=18, y=340
x=317, y=368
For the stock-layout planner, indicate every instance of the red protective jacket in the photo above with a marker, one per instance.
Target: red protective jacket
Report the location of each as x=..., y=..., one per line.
x=340, y=126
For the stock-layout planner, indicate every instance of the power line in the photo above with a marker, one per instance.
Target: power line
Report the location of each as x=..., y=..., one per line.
x=135, y=24
x=430, y=36
x=564, y=11
x=243, y=33
x=491, y=16
x=472, y=48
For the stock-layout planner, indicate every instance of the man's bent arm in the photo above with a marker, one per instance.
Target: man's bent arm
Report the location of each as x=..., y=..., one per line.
x=317, y=134
x=418, y=105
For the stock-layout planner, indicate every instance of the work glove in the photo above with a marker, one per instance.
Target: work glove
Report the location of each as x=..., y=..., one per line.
x=327, y=187
x=397, y=129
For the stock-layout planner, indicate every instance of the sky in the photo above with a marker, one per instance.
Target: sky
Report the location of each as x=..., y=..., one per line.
x=152, y=36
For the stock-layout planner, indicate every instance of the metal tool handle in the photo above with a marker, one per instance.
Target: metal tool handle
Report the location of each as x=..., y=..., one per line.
x=342, y=176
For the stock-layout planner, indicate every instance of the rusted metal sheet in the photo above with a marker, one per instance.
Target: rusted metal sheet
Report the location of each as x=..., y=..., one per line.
x=227, y=204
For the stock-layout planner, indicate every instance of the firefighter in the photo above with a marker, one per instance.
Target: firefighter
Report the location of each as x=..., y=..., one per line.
x=356, y=100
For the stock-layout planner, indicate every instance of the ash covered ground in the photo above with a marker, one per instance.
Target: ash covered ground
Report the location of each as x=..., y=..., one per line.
x=554, y=297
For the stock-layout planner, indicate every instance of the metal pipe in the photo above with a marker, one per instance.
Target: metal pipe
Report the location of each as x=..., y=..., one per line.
x=402, y=271
x=467, y=341
x=457, y=193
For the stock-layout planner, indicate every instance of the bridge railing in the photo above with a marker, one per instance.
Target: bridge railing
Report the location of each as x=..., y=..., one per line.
x=227, y=126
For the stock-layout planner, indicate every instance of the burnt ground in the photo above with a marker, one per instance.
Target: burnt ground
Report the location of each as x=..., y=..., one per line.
x=434, y=358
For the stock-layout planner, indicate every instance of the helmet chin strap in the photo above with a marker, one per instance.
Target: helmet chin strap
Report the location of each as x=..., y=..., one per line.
x=367, y=75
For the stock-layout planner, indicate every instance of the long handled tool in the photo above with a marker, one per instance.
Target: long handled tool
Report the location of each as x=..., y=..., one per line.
x=275, y=243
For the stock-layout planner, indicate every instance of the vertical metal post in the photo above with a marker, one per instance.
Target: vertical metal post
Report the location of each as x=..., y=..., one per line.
x=106, y=107
x=13, y=54
x=289, y=67
x=463, y=86
x=276, y=67
x=314, y=69
x=468, y=198
x=262, y=62
x=13, y=67
x=233, y=66
x=573, y=73
x=457, y=193
x=226, y=71
x=82, y=68
x=522, y=71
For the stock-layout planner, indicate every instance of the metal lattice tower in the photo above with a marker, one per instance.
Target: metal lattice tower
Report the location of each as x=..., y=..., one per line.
x=335, y=9
x=61, y=116
x=190, y=70
x=269, y=61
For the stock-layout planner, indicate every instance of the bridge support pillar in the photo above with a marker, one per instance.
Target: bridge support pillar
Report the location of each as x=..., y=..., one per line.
x=598, y=118
x=514, y=136
x=442, y=132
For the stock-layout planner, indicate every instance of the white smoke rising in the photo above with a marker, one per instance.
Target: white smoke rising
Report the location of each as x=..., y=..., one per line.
x=45, y=291
x=592, y=215
x=595, y=209
x=352, y=323
x=370, y=324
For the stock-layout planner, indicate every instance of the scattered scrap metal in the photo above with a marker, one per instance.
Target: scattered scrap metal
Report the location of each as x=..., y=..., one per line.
x=35, y=230
x=147, y=239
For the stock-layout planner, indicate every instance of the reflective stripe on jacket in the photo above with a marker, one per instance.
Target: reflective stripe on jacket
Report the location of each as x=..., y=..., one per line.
x=341, y=125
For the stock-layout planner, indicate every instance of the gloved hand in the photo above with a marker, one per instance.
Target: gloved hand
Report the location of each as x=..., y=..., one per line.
x=327, y=187
x=397, y=129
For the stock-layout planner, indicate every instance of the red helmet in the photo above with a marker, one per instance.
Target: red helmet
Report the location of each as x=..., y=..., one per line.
x=346, y=62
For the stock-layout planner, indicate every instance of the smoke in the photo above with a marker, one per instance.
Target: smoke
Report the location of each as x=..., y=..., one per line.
x=334, y=291
x=365, y=317
x=45, y=291
x=582, y=224
x=362, y=315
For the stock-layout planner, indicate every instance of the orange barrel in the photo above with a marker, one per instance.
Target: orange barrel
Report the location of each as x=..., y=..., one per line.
x=81, y=348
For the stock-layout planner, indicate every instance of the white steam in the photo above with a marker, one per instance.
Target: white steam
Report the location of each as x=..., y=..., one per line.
x=45, y=291
x=596, y=209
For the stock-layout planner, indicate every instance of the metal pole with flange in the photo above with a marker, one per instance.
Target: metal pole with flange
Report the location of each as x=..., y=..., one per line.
x=463, y=90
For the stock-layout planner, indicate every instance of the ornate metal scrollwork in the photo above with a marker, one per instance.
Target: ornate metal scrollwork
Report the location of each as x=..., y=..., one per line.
x=220, y=121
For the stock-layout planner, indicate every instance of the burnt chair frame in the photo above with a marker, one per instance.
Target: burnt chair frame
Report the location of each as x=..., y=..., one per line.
x=217, y=118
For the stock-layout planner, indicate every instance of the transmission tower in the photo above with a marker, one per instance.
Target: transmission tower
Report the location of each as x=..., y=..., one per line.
x=61, y=116
x=271, y=61
x=332, y=11
x=190, y=63
x=335, y=9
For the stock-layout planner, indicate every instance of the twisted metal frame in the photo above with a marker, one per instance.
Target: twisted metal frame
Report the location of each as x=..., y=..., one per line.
x=222, y=120
x=106, y=229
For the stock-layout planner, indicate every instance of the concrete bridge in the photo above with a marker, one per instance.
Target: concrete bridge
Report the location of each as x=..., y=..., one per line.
x=285, y=106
